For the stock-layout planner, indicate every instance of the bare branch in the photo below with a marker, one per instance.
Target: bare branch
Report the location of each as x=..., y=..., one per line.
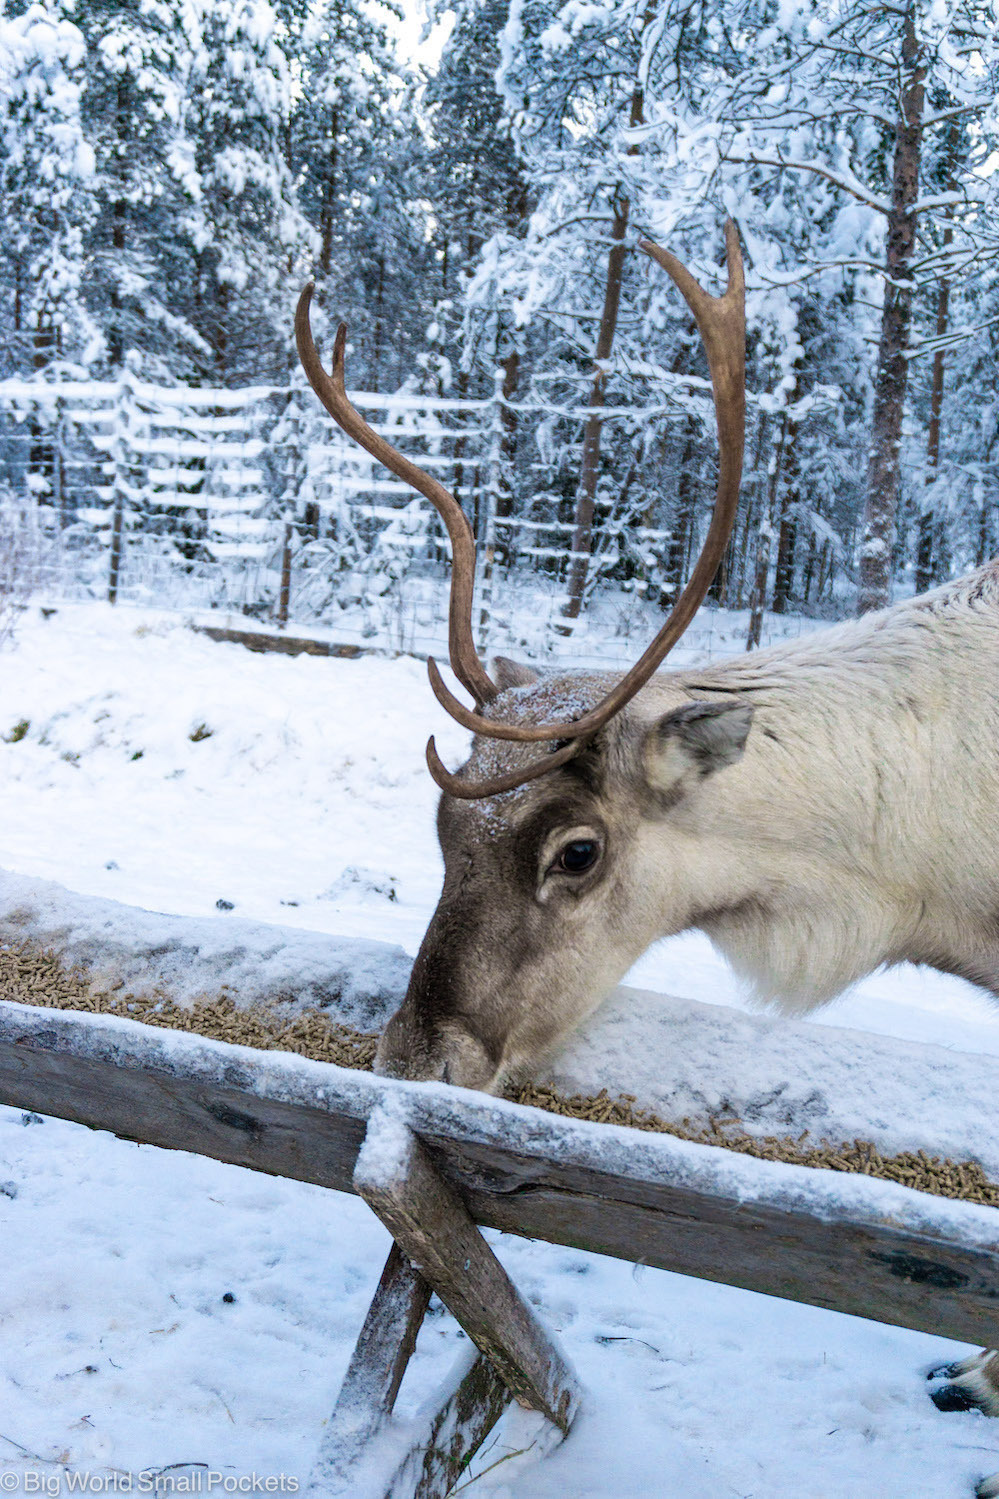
x=850, y=184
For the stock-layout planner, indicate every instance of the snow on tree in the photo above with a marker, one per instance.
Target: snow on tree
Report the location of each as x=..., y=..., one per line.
x=585, y=109
x=247, y=232
x=356, y=152
x=172, y=170
x=46, y=167
x=476, y=183
x=856, y=98
x=142, y=56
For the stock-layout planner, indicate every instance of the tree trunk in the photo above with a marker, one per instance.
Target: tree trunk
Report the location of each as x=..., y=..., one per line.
x=327, y=209
x=717, y=593
x=582, y=539
x=884, y=468
x=508, y=452
x=41, y=454
x=582, y=536
x=460, y=448
x=379, y=322
x=787, y=539
x=809, y=574
x=755, y=502
x=683, y=518
x=926, y=560
x=826, y=566
x=221, y=331
x=985, y=548
x=119, y=217
x=764, y=541
x=511, y=374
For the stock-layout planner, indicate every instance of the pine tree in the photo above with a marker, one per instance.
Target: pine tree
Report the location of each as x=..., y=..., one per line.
x=354, y=154
x=247, y=234
x=46, y=189
x=578, y=95
x=839, y=93
x=142, y=56
x=476, y=181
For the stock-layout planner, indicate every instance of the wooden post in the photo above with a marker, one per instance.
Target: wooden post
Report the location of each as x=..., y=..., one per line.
x=489, y=504
x=360, y=1458
x=285, y=594
x=431, y=1224
x=119, y=499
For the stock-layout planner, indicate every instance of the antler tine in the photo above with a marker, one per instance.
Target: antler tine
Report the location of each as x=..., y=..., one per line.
x=331, y=390
x=721, y=322
x=472, y=790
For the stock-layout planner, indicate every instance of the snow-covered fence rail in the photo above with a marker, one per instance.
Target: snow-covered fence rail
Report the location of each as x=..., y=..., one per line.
x=436, y=1162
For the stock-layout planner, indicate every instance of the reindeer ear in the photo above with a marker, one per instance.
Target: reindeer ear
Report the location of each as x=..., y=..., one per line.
x=695, y=741
x=513, y=673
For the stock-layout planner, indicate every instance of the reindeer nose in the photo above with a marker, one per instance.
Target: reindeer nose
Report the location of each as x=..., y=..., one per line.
x=450, y=1053
x=395, y=1053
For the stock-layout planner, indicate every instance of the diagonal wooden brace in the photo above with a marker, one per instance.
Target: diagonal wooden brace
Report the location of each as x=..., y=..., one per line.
x=373, y=1377
x=439, y=1247
x=451, y=1431
x=432, y=1226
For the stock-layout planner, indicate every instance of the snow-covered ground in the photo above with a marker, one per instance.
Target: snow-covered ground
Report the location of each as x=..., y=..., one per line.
x=148, y=765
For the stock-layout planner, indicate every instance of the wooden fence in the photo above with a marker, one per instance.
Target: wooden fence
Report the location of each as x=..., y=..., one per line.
x=251, y=502
x=436, y=1162
x=225, y=499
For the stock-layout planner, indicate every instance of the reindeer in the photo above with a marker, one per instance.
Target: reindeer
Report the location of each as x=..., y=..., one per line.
x=819, y=809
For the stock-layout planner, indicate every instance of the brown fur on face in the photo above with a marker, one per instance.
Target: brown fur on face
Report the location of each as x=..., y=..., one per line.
x=464, y=1018
x=818, y=809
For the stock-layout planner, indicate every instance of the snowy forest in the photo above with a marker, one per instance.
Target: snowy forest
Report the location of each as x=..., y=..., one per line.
x=173, y=171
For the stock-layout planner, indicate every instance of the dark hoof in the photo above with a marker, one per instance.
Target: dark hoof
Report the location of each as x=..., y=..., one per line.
x=988, y=1488
x=974, y=1384
x=953, y=1398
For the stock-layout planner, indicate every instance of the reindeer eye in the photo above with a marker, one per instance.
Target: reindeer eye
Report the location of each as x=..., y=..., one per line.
x=579, y=856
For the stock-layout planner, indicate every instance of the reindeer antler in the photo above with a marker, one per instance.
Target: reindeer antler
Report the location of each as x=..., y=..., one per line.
x=722, y=324
x=331, y=390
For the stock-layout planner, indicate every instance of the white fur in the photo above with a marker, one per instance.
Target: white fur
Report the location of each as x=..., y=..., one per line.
x=861, y=826
x=977, y=1377
x=855, y=825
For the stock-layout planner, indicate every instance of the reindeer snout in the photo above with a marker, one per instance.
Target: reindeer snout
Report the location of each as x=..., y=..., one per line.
x=449, y=1053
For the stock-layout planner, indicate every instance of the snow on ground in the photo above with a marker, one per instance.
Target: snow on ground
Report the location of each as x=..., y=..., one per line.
x=148, y=765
